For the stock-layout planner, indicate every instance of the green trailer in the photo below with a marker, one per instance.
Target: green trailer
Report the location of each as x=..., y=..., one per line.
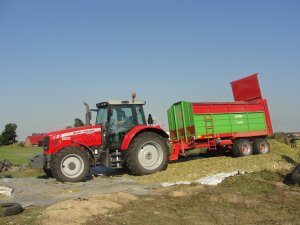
x=215, y=124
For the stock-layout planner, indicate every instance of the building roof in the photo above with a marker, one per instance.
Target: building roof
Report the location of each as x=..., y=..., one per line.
x=34, y=140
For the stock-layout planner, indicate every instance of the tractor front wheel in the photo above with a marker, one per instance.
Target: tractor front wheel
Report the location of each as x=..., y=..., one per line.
x=71, y=164
x=148, y=153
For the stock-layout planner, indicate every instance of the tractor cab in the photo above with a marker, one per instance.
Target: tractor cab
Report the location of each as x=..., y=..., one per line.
x=117, y=117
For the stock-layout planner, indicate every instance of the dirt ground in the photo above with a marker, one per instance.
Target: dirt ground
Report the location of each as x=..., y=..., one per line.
x=43, y=191
x=255, y=198
x=246, y=199
x=81, y=210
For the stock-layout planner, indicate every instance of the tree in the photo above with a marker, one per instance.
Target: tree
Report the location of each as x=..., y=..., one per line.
x=9, y=134
x=1, y=140
x=78, y=122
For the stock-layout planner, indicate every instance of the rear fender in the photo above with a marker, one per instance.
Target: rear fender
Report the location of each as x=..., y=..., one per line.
x=138, y=130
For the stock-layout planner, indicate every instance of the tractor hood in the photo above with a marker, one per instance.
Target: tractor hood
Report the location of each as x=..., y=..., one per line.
x=81, y=136
x=73, y=131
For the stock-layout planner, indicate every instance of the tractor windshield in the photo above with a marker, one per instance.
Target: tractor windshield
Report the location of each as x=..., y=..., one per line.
x=101, y=116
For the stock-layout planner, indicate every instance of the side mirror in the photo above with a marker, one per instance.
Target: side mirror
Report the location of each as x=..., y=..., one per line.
x=150, y=119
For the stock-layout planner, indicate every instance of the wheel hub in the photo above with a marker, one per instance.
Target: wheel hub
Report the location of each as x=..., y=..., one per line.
x=245, y=148
x=148, y=155
x=263, y=148
x=72, y=166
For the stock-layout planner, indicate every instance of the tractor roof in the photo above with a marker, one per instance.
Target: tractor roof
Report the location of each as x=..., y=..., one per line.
x=120, y=102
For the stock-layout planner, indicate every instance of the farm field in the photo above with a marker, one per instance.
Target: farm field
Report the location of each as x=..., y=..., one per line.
x=258, y=197
x=18, y=155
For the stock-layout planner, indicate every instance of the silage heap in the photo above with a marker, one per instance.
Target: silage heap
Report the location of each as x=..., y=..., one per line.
x=282, y=157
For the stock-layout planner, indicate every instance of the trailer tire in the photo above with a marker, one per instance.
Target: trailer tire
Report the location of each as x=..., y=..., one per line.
x=242, y=147
x=261, y=146
x=10, y=209
x=71, y=164
x=148, y=153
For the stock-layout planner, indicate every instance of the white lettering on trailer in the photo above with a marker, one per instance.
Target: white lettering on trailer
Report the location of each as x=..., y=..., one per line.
x=238, y=116
x=87, y=131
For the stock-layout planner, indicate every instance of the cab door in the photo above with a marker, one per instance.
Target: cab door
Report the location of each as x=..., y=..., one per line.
x=121, y=120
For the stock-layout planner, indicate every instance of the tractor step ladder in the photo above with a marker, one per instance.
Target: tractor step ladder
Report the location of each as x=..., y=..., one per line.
x=116, y=159
x=209, y=126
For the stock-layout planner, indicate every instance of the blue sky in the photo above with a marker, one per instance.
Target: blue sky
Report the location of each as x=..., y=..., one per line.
x=56, y=54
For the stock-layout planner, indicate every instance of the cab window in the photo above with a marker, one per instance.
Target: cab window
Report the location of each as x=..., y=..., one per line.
x=101, y=116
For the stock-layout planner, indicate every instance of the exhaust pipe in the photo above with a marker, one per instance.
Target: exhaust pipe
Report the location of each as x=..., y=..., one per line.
x=88, y=114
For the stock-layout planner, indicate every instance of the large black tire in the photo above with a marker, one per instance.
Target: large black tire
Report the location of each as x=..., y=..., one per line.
x=295, y=175
x=261, y=146
x=293, y=178
x=10, y=209
x=242, y=147
x=148, y=153
x=71, y=164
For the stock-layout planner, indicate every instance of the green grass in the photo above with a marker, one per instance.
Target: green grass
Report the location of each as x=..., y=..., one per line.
x=18, y=155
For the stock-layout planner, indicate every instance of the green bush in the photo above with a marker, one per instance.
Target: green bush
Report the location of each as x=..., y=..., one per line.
x=21, y=144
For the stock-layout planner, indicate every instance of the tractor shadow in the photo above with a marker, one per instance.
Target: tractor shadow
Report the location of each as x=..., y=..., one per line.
x=202, y=154
x=103, y=171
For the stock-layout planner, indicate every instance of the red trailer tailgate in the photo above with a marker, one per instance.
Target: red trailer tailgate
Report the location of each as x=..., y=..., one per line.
x=246, y=89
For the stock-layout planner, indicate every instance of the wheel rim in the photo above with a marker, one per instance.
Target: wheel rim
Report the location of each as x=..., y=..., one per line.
x=72, y=166
x=150, y=155
x=246, y=149
x=263, y=148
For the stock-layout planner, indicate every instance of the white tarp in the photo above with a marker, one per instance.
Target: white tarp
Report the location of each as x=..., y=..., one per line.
x=7, y=191
x=209, y=180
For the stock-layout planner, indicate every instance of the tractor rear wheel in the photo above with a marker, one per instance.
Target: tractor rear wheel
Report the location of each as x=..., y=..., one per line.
x=261, y=146
x=71, y=164
x=242, y=147
x=148, y=153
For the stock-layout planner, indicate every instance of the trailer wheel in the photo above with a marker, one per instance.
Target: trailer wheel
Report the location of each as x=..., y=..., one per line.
x=71, y=164
x=148, y=153
x=242, y=147
x=261, y=146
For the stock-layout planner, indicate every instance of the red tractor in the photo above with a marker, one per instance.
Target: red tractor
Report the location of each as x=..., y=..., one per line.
x=120, y=138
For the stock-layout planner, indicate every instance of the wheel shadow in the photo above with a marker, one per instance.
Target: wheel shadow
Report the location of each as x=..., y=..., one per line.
x=289, y=160
x=44, y=177
x=203, y=155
